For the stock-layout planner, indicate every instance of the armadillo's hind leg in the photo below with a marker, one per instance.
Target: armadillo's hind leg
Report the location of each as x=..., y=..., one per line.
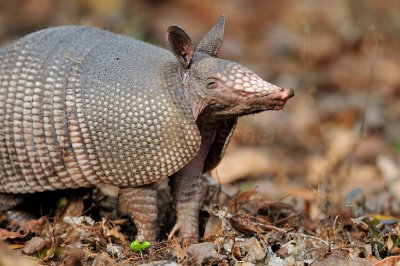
x=9, y=201
x=18, y=216
x=9, y=204
x=140, y=204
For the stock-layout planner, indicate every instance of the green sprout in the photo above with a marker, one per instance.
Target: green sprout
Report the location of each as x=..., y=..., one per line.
x=62, y=202
x=140, y=246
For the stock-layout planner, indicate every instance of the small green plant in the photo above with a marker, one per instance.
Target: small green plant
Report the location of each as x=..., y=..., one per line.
x=140, y=246
x=62, y=202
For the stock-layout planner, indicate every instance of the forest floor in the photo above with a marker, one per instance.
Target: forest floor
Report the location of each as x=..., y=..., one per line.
x=317, y=183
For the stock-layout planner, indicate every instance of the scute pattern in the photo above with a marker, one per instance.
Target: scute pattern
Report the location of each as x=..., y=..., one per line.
x=70, y=117
x=240, y=78
x=139, y=134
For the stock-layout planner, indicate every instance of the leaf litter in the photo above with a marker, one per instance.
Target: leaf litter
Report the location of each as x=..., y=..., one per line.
x=325, y=169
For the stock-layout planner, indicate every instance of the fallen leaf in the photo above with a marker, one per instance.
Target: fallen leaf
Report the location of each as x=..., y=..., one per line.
x=389, y=261
x=239, y=200
x=337, y=258
x=16, y=245
x=246, y=223
x=204, y=253
x=74, y=256
x=102, y=259
x=213, y=226
x=253, y=249
x=5, y=234
x=35, y=225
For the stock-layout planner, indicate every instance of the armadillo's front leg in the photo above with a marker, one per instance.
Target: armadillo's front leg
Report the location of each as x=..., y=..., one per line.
x=186, y=188
x=141, y=204
x=186, y=191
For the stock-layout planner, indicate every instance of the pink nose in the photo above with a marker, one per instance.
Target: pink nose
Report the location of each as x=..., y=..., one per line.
x=286, y=94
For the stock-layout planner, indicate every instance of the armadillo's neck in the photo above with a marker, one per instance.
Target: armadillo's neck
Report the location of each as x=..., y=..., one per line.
x=170, y=81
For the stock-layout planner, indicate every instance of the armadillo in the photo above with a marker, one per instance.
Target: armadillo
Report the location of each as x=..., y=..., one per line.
x=84, y=107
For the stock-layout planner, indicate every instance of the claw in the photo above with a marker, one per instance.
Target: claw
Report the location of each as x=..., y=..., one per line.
x=188, y=232
x=173, y=231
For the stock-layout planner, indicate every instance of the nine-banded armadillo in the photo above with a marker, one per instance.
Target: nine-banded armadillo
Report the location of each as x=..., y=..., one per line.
x=81, y=107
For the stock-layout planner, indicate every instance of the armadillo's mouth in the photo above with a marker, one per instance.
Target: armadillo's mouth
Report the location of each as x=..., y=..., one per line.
x=278, y=105
x=271, y=101
x=280, y=98
x=259, y=102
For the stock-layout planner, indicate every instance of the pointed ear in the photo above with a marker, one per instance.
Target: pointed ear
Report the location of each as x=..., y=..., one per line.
x=180, y=44
x=212, y=42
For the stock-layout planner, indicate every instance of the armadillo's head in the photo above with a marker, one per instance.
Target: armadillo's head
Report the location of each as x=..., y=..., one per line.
x=221, y=87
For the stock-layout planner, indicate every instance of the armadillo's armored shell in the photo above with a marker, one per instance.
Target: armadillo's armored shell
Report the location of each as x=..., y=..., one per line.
x=81, y=106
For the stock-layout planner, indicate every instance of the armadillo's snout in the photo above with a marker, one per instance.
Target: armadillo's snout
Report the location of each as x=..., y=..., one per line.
x=286, y=94
x=279, y=97
x=258, y=92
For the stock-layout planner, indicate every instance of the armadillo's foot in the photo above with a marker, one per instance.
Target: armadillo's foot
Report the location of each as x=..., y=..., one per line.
x=187, y=226
x=141, y=204
x=186, y=190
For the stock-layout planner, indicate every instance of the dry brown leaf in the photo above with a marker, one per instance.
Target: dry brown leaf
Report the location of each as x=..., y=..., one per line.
x=247, y=223
x=74, y=207
x=72, y=235
x=74, y=256
x=337, y=258
x=253, y=250
x=114, y=234
x=102, y=259
x=390, y=261
x=239, y=200
x=213, y=226
x=204, y=253
x=251, y=224
x=35, y=226
x=13, y=246
x=236, y=254
x=5, y=234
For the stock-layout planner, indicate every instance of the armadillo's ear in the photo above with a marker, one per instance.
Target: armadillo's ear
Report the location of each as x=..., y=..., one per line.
x=180, y=45
x=212, y=42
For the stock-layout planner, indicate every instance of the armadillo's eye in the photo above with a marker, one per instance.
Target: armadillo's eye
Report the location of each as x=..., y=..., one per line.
x=212, y=84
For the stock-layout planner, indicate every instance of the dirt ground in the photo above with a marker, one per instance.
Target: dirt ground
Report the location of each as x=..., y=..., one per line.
x=317, y=183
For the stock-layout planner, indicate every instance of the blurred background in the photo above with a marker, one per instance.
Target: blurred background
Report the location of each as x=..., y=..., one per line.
x=337, y=142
